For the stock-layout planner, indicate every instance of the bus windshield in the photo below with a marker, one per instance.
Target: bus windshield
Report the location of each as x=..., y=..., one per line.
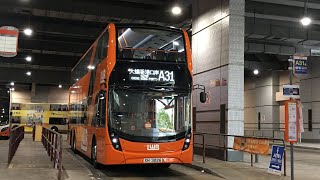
x=150, y=44
x=149, y=115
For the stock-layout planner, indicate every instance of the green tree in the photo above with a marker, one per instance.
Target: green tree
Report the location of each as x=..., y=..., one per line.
x=164, y=120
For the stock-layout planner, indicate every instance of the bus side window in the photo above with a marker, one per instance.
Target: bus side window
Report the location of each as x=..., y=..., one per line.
x=102, y=48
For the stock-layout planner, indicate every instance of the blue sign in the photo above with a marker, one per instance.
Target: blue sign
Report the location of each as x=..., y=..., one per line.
x=300, y=66
x=276, y=159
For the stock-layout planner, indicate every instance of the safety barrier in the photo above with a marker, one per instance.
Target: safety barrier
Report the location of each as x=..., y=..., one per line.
x=16, y=136
x=223, y=144
x=274, y=134
x=52, y=141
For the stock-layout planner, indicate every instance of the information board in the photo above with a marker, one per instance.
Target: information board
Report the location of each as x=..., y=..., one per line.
x=275, y=166
x=291, y=91
x=291, y=123
x=8, y=41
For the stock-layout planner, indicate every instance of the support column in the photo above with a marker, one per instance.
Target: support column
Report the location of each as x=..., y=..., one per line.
x=218, y=63
x=33, y=90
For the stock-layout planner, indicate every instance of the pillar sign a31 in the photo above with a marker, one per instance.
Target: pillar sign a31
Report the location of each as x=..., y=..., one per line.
x=300, y=65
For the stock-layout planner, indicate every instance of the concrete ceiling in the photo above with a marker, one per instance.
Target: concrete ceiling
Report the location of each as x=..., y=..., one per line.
x=65, y=29
x=273, y=29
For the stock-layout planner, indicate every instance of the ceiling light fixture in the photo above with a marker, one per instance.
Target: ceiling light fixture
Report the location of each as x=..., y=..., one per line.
x=27, y=31
x=176, y=10
x=305, y=21
x=28, y=73
x=256, y=72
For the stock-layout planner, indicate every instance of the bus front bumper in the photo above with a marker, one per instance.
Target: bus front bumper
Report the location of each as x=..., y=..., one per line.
x=113, y=157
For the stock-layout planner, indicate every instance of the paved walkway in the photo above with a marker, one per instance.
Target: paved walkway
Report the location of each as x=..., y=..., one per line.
x=31, y=162
x=3, y=153
x=234, y=170
x=307, y=163
x=314, y=146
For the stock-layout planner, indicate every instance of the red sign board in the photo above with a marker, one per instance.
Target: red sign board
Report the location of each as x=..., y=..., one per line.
x=291, y=121
x=251, y=145
x=8, y=41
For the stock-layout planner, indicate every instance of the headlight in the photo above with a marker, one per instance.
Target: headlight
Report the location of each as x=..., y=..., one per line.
x=187, y=141
x=115, y=141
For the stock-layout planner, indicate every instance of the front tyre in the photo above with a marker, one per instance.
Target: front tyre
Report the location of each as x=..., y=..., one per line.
x=73, y=145
x=94, y=155
x=164, y=165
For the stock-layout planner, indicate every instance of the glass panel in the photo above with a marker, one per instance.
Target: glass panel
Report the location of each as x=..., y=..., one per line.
x=149, y=114
x=102, y=47
x=57, y=121
x=153, y=44
x=78, y=113
x=81, y=68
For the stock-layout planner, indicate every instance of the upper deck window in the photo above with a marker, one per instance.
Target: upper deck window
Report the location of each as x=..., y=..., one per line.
x=150, y=44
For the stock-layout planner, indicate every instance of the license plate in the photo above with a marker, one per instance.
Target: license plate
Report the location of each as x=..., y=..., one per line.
x=152, y=160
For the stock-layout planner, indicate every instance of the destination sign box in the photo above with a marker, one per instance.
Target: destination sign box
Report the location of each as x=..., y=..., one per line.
x=151, y=75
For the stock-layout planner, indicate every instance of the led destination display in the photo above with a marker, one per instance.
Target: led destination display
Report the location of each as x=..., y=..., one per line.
x=151, y=75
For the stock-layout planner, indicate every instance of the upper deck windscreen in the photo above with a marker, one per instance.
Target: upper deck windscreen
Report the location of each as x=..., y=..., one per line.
x=150, y=44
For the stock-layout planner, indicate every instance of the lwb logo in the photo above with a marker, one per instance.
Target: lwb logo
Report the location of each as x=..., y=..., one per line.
x=153, y=147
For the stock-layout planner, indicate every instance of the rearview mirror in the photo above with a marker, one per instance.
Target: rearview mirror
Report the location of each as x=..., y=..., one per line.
x=203, y=97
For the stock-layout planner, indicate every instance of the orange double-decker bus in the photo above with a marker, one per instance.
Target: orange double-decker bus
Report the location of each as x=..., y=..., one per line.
x=130, y=102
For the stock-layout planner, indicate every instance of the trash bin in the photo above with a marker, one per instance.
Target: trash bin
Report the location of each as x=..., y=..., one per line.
x=38, y=133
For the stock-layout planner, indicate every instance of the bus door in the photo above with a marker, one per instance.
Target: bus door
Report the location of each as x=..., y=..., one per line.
x=99, y=120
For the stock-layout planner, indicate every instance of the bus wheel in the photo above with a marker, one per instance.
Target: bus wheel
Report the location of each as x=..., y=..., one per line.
x=73, y=146
x=54, y=128
x=70, y=138
x=94, y=155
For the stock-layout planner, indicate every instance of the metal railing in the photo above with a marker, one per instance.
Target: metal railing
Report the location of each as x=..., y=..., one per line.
x=52, y=141
x=222, y=143
x=274, y=134
x=16, y=136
